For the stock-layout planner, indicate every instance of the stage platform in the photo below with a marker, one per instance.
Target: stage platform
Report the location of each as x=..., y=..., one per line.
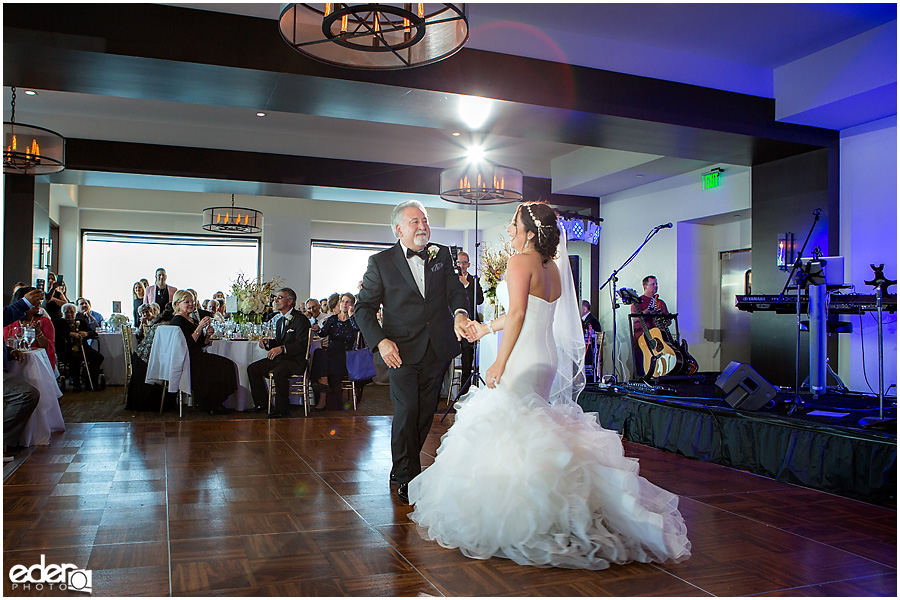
x=820, y=446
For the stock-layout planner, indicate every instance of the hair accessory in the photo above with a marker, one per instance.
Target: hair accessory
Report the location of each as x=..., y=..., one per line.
x=537, y=224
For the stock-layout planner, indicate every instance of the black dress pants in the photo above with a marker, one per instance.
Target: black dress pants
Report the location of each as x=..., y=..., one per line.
x=282, y=371
x=415, y=391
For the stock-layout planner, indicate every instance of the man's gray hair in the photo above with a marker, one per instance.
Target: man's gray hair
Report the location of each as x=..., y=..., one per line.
x=289, y=293
x=62, y=309
x=397, y=214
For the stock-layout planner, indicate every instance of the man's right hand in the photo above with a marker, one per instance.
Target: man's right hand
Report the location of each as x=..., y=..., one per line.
x=389, y=353
x=34, y=297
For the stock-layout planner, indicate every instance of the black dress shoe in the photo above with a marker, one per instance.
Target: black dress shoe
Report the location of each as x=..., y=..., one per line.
x=255, y=409
x=278, y=415
x=220, y=410
x=403, y=492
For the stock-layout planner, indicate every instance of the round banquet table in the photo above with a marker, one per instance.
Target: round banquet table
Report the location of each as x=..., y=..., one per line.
x=47, y=417
x=242, y=353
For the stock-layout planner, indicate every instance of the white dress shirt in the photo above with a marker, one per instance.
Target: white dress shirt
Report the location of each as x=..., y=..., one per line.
x=417, y=267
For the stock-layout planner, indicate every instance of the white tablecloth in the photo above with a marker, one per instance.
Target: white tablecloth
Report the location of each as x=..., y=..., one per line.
x=243, y=352
x=113, y=352
x=47, y=417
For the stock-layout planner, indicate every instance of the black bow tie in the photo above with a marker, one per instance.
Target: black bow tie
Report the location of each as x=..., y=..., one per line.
x=421, y=253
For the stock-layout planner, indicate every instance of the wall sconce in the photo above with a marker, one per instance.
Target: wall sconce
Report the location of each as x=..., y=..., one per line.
x=785, y=251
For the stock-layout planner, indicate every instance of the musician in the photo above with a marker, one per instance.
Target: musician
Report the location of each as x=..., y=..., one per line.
x=650, y=303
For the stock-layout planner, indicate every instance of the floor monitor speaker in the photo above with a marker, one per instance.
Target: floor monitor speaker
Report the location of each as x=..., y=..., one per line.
x=744, y=388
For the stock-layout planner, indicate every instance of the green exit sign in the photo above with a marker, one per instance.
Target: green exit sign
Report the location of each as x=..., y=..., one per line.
x=712, y=179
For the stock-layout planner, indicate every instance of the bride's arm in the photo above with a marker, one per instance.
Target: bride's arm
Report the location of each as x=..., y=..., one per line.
x=518, y=281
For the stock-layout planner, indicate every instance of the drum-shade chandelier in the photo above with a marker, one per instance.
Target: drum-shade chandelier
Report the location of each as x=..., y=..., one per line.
x=31, y=150
x=232, y=219
x=375, y=36
x=481, y=183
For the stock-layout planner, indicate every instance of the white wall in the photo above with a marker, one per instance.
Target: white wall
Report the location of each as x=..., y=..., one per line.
x=684, y=259
x=869, y=235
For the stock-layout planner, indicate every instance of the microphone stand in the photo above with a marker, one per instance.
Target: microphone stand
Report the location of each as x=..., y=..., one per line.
x=615, y=304
x=796, y=402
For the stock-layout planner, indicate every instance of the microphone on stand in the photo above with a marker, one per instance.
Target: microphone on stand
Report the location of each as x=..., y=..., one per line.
x=664, y=226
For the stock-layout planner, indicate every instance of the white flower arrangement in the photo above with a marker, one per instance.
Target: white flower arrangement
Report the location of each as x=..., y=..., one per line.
x=253, y=295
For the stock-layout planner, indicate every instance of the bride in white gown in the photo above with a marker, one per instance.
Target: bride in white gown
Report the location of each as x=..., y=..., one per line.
x=524, y=473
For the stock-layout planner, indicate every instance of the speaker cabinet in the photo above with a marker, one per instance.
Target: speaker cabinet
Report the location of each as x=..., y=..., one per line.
x=744, y=388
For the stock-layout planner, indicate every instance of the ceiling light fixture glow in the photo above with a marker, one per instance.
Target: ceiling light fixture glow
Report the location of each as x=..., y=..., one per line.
x=474, y=111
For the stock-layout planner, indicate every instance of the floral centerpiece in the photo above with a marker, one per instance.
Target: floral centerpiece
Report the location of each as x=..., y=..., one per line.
x=493, y=267
x=116, y=321
x=252, y=297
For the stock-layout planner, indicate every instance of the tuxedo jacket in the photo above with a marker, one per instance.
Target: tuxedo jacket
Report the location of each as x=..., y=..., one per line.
x=294, y=337
x=408, y=319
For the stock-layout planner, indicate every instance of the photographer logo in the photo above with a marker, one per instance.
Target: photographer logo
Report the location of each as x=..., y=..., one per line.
x=50, y=577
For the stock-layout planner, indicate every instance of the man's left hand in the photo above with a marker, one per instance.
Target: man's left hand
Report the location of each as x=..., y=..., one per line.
x=274, y=352
x=460, y=323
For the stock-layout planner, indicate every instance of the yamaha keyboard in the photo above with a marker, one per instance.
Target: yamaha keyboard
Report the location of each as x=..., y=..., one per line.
x=841, y=304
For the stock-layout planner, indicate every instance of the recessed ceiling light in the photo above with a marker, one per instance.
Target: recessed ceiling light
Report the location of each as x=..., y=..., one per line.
x=260, y=114
x=30, y=93
x=638, y=175
x=455, y=134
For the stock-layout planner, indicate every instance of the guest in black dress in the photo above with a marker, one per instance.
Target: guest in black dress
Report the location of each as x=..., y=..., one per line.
x=72, y=349
x=329, y=364
x=56, y=297
x=213, y=377
x=138, y=292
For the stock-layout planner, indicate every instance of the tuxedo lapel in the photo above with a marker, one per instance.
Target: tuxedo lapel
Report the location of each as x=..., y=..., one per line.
x=403, y=266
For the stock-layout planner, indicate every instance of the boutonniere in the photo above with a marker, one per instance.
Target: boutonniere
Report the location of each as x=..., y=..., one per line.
x=433, y=251
x=289, y=317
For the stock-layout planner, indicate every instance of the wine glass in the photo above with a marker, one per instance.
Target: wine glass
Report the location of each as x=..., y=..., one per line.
x=28, y=335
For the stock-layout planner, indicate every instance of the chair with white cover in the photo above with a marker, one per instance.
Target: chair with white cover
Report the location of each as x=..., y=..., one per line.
x=170, y=363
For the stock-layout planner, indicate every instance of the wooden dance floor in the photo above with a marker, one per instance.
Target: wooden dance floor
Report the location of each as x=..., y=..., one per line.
x=302, y=507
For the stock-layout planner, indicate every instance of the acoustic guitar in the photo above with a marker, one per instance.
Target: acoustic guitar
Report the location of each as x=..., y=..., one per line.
x=660, y=358
x=689, y=364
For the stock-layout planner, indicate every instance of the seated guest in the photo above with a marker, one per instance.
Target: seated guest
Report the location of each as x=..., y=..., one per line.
x=214, y=308
x=44, y=334
x=71, y=347
x=213, y=377
x=221, y=308
x=333, y=304
x=315, y=314
x=56, y=297
x=143, y=324
x=137, y=292
x=20, y=398
x=323, y=303
x=91, y=317
x=205, y=304
x=143, y=395
x=329, y=365
x=286, y=355
x=199, y=312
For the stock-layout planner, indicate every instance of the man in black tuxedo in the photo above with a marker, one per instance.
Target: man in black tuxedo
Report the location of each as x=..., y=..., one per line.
x=287, y=355
x=475, y=298
x=424, y=318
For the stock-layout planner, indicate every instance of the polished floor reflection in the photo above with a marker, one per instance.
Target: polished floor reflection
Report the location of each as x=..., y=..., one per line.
x=302, y=507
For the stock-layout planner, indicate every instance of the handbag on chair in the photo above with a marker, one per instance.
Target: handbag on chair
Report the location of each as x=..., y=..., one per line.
x=360, y=365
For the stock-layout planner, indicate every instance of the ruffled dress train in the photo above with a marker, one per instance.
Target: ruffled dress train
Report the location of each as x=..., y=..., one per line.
x=538, y=483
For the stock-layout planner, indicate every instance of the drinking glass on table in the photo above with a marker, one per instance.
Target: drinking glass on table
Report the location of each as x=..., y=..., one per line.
x=28, y=335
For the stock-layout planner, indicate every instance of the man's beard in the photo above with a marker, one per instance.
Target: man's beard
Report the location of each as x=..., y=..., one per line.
x=423, y=235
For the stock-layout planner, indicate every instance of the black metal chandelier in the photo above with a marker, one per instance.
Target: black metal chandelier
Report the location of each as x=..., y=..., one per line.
x=481, y=183
x=31, y=150
x=232, y=219
x=375, y=36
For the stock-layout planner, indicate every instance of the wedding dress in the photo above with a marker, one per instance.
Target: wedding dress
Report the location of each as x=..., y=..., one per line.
x=524, y=473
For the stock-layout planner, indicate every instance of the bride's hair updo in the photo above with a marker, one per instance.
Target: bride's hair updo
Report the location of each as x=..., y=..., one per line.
x=540, y=219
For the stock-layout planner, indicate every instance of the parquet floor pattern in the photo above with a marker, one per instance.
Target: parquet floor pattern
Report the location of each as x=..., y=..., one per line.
x=302, y=507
